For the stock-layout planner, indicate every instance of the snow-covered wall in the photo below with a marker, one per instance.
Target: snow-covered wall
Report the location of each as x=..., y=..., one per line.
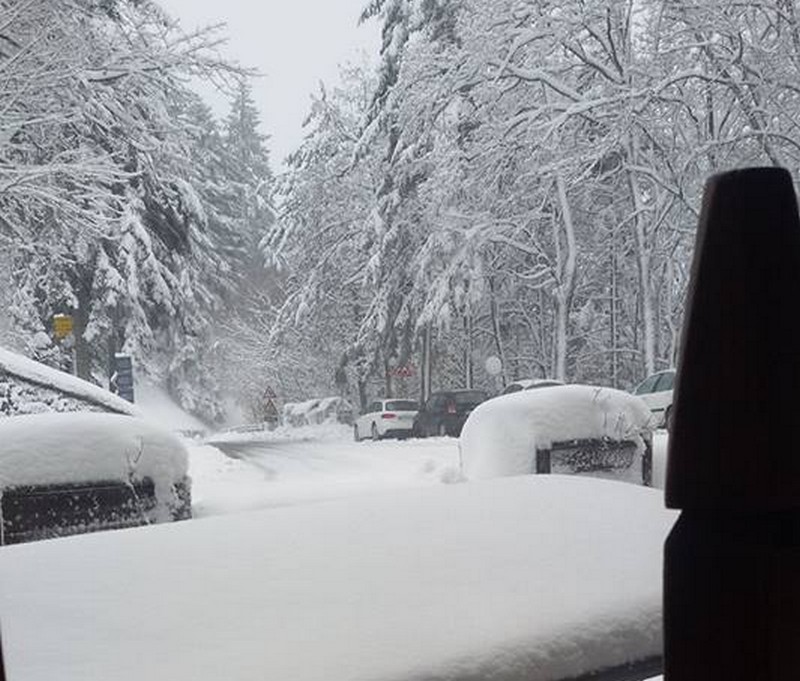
x=29, y=387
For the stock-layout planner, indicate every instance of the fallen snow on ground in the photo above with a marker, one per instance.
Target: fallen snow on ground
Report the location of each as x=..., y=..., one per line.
x=42, y=449
x=286, y=472
x=501, y=436
x=319, y=432
x=535, y=577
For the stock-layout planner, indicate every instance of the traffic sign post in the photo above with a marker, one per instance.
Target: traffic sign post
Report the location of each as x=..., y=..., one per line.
x=121, y=381
x=62, y=326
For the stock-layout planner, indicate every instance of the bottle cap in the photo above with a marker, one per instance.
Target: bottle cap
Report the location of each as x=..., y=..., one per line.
x=737, y=397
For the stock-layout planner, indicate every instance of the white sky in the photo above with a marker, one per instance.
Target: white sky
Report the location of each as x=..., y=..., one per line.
x=294, y=44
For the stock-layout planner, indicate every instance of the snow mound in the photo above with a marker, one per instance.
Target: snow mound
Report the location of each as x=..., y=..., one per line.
x=45, y=449
x=39, y=374
x=540, y=578
x=501, y=435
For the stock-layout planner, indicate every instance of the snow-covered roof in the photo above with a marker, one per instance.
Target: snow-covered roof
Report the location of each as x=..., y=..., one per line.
x=45, y=376
x=305, y=407
x=522, y=578
x=43, y=449
x=501, y=435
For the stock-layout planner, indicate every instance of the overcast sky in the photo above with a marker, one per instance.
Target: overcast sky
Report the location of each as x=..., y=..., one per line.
x=294, y=44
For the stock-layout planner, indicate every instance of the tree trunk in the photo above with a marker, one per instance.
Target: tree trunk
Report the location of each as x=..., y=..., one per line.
x=643, y=260
x=566, y=288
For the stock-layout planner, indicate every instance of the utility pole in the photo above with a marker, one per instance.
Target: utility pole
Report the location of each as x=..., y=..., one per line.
x=732, y=560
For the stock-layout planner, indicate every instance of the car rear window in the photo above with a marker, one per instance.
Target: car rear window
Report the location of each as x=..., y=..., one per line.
x=665, y=382
x=470, y=397
x=402, y=405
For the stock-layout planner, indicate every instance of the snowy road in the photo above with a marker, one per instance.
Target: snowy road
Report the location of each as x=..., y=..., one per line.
x=234, y=476
x=257, y=475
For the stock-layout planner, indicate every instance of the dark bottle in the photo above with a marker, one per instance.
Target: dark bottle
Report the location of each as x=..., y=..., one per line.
x=732, y=561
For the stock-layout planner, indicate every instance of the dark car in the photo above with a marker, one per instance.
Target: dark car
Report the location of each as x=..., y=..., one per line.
x=445, y=412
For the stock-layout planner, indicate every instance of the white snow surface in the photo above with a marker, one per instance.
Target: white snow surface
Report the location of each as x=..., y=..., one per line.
x=332, y=466
x=501, y=435
x=158, y=407
x=330, y=431
x=42, y=374
x=536, y=577
x=42, y=449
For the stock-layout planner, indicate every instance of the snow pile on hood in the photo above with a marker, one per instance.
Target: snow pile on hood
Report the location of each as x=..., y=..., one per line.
x=47, y=377
x=501, y=436
x=542, y=578
x=44, y=449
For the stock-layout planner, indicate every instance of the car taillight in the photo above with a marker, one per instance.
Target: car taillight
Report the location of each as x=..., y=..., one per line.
x=388, y=415
x=451, y=408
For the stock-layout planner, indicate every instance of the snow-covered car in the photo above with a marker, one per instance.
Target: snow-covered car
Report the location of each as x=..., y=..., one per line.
x=529, y=384
x=317, y=411
x=569, y=429
x=393, y=417
x=545, y=577
x=445, y=412
x=656, y=392
x=331, y=410
x=63, y=474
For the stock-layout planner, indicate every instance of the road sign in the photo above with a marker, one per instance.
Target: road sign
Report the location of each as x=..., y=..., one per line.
x=403, y=371
x=121, y=381
x=269, y=393
x=62, y=326
x=270, y=411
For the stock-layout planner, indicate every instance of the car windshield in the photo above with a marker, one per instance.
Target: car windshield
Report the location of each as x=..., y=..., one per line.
x=402, y=405
x=469, y=397
x=266, y=271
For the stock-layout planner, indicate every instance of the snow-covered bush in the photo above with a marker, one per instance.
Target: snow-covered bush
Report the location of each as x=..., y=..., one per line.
x=502, y=436
x=29, y=387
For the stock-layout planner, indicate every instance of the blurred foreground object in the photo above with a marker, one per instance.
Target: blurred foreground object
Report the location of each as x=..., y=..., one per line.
x=732, y=561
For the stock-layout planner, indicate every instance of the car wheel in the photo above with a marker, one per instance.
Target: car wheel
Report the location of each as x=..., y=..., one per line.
x=355, y=434
x=375, y=435
x=442, y=430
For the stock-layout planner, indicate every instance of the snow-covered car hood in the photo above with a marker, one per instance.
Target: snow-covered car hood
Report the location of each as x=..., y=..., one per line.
x=522, y=578
x=79, y=447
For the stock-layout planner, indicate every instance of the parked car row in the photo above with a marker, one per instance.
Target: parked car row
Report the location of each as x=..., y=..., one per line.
x=444, y=413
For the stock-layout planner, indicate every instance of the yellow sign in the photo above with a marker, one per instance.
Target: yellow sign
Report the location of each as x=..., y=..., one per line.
x=62, y=326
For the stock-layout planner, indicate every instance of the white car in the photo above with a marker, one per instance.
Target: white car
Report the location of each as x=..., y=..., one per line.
x=656, y=392
x=386, y=418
